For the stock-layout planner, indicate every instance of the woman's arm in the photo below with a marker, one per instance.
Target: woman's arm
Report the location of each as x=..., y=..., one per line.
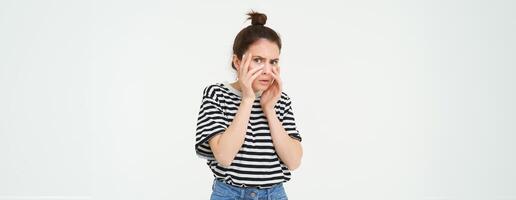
x=225, y=146
x=289, y=149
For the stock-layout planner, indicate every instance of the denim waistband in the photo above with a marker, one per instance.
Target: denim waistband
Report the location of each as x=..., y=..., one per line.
x=249, y=192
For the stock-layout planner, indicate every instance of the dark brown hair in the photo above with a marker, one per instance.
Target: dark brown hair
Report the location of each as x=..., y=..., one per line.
x=250, y=34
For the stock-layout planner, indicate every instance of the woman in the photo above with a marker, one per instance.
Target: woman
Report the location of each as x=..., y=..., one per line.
x=246, y=129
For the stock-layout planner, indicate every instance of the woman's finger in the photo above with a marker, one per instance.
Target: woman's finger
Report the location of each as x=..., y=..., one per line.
x=277, y=79
x=251, y=79
x=239, y=70
x=253, y=71
x=276, y=69
x=246, y=63
x=275, y=74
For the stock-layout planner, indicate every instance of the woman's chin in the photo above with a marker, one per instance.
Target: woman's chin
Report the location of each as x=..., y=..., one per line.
x=261, y=87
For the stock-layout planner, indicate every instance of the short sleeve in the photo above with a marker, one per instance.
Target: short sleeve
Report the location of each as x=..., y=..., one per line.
x=210, y=122
x=289, y=122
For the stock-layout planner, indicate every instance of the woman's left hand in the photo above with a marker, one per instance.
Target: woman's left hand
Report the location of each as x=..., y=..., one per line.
x=272, y=94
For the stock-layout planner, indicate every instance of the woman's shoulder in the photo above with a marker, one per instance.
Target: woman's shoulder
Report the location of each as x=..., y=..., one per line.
x=211, y=86
x=285, y=97
x=209, y=90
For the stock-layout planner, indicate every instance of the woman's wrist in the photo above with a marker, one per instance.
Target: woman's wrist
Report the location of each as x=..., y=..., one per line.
x=268, y=112
x=248, y=100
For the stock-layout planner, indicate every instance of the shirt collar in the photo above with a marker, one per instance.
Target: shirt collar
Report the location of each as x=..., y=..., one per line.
x=234, y=90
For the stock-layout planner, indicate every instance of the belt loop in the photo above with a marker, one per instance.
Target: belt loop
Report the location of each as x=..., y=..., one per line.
x=213, y=184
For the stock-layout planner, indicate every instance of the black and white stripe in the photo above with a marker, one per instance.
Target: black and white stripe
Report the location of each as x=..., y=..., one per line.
x=256, y=163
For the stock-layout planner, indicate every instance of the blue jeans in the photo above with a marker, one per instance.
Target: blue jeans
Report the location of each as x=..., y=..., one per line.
x=224, y=191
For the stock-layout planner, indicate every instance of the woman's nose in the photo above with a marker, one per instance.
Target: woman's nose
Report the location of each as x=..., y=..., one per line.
x=267, y=69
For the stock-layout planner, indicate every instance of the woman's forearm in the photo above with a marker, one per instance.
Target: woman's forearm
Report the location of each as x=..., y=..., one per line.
x=225, y=146
x=288, y=149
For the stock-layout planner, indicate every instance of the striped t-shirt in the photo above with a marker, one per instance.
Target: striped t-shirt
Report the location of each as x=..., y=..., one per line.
x=256, y=163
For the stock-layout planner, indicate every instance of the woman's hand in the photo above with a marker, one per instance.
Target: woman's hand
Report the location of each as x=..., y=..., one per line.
x=272, y=94
x=246, y=77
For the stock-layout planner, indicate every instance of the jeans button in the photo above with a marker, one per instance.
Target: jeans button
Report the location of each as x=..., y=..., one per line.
x=252, y=194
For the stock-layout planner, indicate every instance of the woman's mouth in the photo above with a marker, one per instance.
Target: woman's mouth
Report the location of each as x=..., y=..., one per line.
x=264, y=82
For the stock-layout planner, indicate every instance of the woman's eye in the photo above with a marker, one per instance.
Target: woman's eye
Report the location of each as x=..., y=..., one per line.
x=274, y=62
x=257, y=60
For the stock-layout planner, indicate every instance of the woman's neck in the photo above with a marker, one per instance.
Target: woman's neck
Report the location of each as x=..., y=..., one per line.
x=237, y=86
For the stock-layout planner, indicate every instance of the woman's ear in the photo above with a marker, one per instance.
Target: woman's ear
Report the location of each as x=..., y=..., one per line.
x=236, y=62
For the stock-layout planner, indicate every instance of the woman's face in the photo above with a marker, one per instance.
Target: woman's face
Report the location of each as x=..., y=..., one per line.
x=264, y=53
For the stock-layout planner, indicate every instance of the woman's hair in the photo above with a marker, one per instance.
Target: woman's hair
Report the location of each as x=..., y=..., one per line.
x=250, y=34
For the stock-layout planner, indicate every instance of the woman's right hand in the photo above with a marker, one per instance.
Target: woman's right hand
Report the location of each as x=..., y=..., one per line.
x=246, y=76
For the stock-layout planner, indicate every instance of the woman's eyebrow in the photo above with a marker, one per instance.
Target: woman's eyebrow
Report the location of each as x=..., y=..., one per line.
x=264, y=58
x=259, y=57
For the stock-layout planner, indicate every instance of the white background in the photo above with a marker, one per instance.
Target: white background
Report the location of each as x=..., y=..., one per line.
x=396, y=100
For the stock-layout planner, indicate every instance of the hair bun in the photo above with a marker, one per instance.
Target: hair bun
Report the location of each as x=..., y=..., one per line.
x=257, y=18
